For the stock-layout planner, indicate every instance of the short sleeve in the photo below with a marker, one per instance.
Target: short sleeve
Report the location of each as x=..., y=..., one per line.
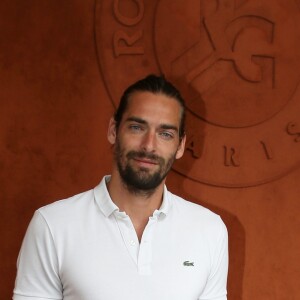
x=216, y=286
x=37, y=266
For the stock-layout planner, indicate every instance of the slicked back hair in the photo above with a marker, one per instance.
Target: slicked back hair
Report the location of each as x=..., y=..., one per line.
x=156, y=85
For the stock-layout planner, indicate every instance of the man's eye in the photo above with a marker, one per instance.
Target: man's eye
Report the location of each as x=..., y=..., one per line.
x=166, y=135
x=135, y=127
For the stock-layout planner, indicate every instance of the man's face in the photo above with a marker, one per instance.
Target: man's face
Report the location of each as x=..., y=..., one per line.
x=147, y=141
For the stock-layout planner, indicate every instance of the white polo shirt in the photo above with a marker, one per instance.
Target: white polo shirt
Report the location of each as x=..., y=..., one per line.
x=84, y=248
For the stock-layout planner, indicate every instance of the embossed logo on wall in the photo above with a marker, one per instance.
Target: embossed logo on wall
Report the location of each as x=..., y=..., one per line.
x=237, y=64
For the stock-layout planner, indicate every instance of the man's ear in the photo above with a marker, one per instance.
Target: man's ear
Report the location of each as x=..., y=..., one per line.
x=112, y=131
x=181, y=147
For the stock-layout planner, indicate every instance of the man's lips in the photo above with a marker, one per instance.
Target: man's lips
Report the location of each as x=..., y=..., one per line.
x=145, y=161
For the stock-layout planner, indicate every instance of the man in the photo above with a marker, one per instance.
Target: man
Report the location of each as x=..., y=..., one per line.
x=129, y=237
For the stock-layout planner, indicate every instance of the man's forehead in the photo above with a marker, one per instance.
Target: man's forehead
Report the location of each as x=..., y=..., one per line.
x=140, y=99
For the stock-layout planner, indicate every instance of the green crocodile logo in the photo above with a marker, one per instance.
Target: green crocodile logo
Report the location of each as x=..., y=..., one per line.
x=188, y=263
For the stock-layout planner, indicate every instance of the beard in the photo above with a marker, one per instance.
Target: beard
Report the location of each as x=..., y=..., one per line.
x=141, y=180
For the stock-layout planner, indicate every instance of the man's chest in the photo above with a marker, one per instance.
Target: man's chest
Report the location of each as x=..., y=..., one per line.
x=162, y=266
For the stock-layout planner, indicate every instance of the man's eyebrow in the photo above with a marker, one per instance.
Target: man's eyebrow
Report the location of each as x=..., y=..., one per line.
x=136, y=119
x=168, y=126
x=161, y=126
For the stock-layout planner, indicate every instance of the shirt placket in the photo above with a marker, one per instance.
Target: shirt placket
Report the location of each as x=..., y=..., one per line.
x=128, y=234
x=141, y=253
x=145, y=251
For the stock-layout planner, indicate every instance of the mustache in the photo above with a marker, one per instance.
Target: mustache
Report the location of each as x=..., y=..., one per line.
x=143, y=154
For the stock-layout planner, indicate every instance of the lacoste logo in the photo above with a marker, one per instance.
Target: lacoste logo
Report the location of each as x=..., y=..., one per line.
x=188, y=263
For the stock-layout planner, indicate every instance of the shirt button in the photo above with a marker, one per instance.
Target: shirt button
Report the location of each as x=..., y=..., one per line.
x=132, y=243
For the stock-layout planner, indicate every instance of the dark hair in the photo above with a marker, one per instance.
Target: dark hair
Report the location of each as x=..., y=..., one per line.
x=154, y=84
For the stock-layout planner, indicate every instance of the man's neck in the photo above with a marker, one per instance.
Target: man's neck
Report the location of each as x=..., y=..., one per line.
x=138, y=206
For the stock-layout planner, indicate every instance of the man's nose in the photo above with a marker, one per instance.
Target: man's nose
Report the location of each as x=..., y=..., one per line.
x=149, y=141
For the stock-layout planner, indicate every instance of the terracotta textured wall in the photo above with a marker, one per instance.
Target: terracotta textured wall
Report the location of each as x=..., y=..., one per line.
x=63, y=65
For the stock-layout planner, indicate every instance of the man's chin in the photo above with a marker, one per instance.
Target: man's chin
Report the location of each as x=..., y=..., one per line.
x=143, y=180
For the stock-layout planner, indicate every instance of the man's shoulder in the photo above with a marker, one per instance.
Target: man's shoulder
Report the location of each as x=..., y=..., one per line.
x=194, y=212
x=70, y=205
x=189, y=205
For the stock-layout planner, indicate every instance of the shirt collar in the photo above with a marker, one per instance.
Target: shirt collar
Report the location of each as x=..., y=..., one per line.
x=165, y=205
x=107, y=206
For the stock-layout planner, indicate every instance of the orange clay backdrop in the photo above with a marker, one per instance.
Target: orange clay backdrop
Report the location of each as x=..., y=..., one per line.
x=63, y=66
